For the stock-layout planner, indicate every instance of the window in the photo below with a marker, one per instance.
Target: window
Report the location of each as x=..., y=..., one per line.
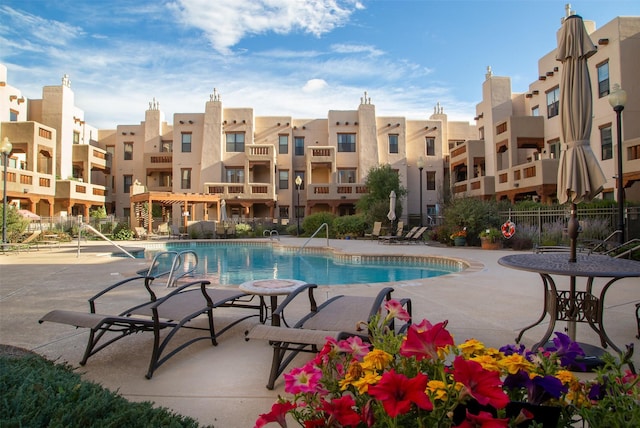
x=301, y=175
x=186, y=142
x=127, y=181
x=128, y=151
x=111, y=151
x=76, y=137
x=553, y=102
x=185, y=178
x=165, y=179
x=166, y=146
x=283, y=180
x=554, y=149
x=393, y=143
x=284, y=211
x=346, y=142
x=126, y=212
x=13, y=116
x=431, y=180
x=44, y=133
x=235, y=175
x=603, y=79
x=535, y=111
x=283, y=144
x=430, y=146
x=235, y=142
x=606, y=141
x=346, y=176
x=299, y=143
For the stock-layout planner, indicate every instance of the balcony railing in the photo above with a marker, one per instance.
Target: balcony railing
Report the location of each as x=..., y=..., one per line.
x=253, y=191
x=335, y=191
x=29, y=182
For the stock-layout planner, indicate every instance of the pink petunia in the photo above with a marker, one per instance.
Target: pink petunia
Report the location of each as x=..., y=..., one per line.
x=354, y=346
x=342, y=410
x=277, y=414
x=396, y=310
x=397, y=392
x=302, y=379
x=423, y=340
x=483, y=385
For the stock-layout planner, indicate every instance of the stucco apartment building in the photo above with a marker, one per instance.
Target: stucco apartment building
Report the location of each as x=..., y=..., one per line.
x=228, y=159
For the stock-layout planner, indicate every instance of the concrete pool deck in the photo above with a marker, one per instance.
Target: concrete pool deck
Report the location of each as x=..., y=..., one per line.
x=224, y=386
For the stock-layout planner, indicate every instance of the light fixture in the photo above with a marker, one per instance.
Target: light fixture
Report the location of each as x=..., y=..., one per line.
x=182, y=122
x=617, y=99
x=5, y=148
x=420, y=164
x=298, y=184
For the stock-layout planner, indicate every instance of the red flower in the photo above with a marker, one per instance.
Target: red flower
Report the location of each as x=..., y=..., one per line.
x=397, y=392
x=483, y=420
x=341, y=409
x=423, y=340
x=483, y=385
x=277, y=414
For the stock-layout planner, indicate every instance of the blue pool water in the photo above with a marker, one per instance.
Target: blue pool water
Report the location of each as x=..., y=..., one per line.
x=235, y=264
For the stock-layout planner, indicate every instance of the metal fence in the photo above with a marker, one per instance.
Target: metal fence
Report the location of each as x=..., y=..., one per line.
x=596, y=223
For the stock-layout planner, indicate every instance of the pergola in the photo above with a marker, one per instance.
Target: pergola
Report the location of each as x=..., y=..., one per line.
x=169, y=199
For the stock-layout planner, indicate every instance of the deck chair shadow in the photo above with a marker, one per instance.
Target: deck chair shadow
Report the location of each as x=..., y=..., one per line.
x=172, y=312
x=339, y=317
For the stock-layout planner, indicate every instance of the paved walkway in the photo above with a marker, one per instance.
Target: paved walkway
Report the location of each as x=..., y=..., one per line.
x=224, y=386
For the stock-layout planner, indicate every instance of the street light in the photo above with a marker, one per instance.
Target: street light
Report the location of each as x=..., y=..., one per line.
x=420, y=164
x=5, y=148
x=617, y=99
x=298, y=184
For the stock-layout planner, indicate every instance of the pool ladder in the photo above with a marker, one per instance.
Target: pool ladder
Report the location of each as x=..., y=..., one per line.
x=326, y=226
x=183, y=264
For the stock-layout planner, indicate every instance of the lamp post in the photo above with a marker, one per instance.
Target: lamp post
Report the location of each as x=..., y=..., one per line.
x=298, y=184
x=420, y=164
x=5, y=148
x=617, y=99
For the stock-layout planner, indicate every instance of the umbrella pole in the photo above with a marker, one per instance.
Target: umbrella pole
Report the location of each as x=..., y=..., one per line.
x=572, y=230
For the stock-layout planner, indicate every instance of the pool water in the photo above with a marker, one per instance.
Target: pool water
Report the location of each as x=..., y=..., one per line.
x=235, y=264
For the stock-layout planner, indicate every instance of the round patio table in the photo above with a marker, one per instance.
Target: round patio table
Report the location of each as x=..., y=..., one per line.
x=271, y=288
x=572, y=305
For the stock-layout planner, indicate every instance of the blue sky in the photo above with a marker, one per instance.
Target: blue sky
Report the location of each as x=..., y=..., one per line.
x=281, y=57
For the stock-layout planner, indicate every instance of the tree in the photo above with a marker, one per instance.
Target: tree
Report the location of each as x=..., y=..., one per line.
x=380, y=181
x=16, y=224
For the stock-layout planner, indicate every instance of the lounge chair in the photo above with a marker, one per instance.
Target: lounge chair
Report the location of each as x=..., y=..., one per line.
x=418, y=236
x=163, y=229
x=26, y=244
x=393, y=238
x=375, y=232
x=175, y=232
x=171, y=312
x=339, y=317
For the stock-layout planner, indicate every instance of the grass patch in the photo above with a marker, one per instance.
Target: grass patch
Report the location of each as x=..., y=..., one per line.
x=39, y=393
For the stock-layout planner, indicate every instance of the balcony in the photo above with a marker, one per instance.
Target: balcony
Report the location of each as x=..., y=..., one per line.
x=77, y=190
x=334, y=191
x=158, y=161
x=29, y=182
x=475, y=187
x=93, y=156
x=250, y=191
x=529, y=175
x=260, y=153
x=323, y=154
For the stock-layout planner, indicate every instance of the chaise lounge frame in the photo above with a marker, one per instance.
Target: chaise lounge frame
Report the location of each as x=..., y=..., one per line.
x=339, y=317
x=171, y=312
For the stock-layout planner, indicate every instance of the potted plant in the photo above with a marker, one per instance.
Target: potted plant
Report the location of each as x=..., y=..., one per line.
x=491, y=239
x=422, y=378
x=460, y=237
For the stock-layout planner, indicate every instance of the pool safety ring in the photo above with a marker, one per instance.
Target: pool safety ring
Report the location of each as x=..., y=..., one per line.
x=508, y=229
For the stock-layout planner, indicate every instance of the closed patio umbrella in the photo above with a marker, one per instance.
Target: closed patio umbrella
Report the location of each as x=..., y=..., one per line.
x=391, y=215
x=580, y=177
x=223, y=210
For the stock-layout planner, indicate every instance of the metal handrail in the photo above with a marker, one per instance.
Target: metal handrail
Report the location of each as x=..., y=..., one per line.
x=606, y=240
x=94, y=230
x=271, y=233
x=326, y=226
x=178, y=260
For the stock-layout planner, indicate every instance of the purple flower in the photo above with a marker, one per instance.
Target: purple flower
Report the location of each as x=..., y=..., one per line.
x=567, y=350
x=512, y=349
x=539, y=389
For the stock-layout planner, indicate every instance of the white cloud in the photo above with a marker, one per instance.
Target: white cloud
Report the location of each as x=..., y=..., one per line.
x=226, y=22
x=314, y=85
x=345, y=48
x=45, y=30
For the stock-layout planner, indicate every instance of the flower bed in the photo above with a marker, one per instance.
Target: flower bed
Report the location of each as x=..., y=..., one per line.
x=423, y=379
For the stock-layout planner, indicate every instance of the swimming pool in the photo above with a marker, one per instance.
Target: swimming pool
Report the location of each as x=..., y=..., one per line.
x=235, y=263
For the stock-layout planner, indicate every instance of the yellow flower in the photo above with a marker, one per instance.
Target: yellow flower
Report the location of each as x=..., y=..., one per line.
x=487, y=362
x=437, y=390
x=566, y=377
x=471, y=347
x=362, y=384
x=376, y=360
x=514, y=363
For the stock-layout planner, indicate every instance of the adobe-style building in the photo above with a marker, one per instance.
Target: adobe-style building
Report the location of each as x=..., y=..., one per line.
x=227, y=163
x=516, y=153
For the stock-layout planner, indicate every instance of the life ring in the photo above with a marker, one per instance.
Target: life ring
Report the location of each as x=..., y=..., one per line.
x=508, y=229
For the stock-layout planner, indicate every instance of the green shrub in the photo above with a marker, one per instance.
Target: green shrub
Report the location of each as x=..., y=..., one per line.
x=312, y=222
x=38, y=393
x=474, y=214
x=122, y=232
x=349, y=225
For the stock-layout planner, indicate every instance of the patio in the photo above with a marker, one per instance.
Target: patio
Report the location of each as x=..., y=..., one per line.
x=225, y=385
